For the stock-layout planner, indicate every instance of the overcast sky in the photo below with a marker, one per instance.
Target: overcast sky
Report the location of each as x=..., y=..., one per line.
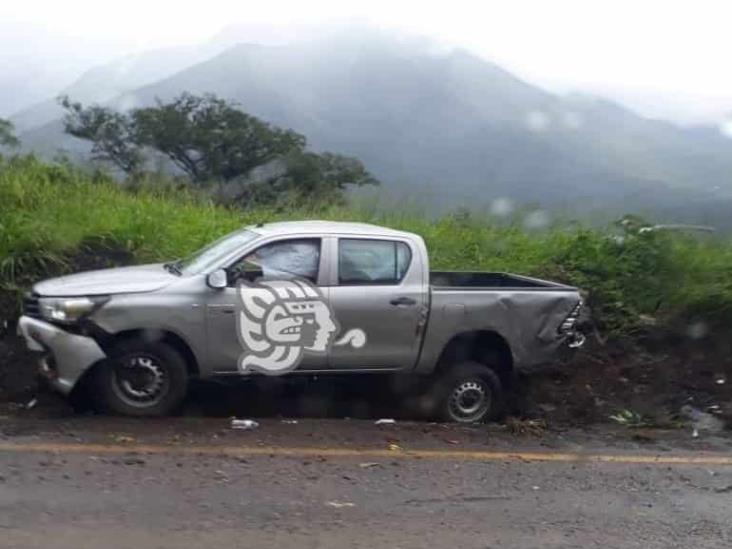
x=671, y=56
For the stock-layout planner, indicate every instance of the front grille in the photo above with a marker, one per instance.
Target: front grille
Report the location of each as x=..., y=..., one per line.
x=30, y=306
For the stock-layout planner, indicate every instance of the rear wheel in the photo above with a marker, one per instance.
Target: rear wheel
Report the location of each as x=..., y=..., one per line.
x=469, y=392
x=142, y=379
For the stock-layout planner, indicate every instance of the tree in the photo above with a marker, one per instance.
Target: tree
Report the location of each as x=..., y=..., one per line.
x=210, y=139
x=305, y=177
x=113, y=135
x=325, y=174
x=339, y=171
x=7, y=135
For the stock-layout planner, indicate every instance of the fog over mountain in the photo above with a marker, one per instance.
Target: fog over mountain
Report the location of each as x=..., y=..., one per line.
x=440, y=128
x=34, y=70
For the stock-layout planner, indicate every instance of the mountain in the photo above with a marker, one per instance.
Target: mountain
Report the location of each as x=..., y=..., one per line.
x=445, y=129
x=36, y=61
x=105, y=82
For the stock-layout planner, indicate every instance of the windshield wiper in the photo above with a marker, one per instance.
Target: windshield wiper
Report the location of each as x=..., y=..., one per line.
x=173, y=267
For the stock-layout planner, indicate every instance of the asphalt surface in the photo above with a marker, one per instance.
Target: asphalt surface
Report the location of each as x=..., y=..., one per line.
x=194, y=482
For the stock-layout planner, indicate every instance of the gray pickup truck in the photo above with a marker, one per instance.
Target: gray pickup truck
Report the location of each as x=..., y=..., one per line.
x=297, y=298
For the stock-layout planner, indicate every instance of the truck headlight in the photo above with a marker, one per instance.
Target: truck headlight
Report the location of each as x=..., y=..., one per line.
x=69, y=309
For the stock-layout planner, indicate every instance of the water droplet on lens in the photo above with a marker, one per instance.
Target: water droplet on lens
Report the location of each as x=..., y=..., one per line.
x=572, y=120
x=501, y=207
x=725, y=128
x=537, y=121
x=697, y=330
x=536, y=220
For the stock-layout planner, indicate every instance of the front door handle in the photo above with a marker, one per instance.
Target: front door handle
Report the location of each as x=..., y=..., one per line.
x=397, y=301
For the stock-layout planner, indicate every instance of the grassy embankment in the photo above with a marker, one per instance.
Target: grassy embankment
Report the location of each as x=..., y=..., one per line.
x=48, y=212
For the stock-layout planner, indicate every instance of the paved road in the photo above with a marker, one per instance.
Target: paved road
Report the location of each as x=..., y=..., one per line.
x=100, y=482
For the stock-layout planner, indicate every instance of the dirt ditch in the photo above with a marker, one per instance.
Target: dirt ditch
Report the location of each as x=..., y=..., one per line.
x=589, y=389
x=652, y=381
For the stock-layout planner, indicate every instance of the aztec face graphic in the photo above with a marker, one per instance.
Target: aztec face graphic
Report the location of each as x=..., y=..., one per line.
x=281, y=320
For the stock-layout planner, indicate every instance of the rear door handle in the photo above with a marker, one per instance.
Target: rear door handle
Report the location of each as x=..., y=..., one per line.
x=397, y=301
x=224, y=308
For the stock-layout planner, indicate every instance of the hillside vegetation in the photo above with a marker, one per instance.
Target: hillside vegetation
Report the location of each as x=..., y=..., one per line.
x=49, y=212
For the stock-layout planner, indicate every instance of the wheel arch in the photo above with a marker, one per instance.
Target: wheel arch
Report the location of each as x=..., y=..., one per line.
x=81, y=395
x=173, y=339
x=486, y=347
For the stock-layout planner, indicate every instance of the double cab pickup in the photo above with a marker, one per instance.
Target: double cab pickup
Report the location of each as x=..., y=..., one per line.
x=295, y=298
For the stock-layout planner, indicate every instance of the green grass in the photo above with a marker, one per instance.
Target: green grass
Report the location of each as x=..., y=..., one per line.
x=48, y=211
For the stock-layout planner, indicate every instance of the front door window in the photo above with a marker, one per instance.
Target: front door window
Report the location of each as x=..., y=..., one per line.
x=281, y=260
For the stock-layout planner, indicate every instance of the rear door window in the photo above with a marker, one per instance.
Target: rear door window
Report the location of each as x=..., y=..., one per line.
x=362, y=261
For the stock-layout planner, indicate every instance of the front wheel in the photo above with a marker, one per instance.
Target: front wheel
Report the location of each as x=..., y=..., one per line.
x=469, y=392
x=142, y=379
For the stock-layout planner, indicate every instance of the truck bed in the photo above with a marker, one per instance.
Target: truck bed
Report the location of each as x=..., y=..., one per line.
x=486, y=281
x=527, y=312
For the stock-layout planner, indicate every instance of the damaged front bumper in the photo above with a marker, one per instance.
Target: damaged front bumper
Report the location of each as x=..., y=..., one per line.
x=65, y=357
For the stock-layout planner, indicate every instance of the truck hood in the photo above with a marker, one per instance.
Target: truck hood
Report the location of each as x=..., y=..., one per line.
x=122, y=280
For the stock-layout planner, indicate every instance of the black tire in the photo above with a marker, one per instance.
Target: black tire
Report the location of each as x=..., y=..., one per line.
x=453, y=391
x=141, y=378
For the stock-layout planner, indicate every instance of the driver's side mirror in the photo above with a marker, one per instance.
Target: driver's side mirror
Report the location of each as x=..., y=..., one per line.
x=217, y=279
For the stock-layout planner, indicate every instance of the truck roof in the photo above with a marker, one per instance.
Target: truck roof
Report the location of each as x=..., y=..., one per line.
x=325, y=227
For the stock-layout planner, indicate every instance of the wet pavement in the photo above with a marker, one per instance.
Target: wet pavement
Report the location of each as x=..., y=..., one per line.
x=92, y=481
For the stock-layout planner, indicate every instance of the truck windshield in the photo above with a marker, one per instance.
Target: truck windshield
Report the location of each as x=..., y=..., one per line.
x=202, y=259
